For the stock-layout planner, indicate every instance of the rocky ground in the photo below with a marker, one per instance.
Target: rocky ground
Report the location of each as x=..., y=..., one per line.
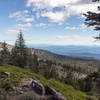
x=35, y=88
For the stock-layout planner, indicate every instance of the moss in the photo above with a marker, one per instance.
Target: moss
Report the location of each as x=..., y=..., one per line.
x=17, y=74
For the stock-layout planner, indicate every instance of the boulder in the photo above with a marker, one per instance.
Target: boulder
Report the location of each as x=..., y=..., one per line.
x=8, y=74
x=56, y=95
x=59, y=96
x=26, y=83
x=30, y=83
x=38, y=87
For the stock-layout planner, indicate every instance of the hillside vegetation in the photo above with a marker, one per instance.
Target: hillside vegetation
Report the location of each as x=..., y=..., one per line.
x=17, y=74
x=82, y=75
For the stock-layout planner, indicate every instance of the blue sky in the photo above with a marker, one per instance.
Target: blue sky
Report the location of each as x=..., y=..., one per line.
x=57, y=22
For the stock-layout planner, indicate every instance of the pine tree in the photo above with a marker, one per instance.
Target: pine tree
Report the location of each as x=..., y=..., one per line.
x=19, y=52
x=4, y=55
x=93, y=18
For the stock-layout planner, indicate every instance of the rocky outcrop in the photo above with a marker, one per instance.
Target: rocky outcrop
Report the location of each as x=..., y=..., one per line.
x=56, y=95
x=38, y=87
x=8, y=74
x=45, y=93
x=26, y=83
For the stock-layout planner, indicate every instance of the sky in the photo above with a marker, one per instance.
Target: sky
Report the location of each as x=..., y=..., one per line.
x=54, y=22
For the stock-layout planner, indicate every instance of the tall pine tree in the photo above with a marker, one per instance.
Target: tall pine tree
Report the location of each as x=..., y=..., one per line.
x=19, y=52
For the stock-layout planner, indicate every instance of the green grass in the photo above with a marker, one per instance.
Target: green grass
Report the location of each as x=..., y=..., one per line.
x=68, y=91
x=17, y=74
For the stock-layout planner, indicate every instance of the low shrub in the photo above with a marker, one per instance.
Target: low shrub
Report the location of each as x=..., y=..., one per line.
x=29, y=97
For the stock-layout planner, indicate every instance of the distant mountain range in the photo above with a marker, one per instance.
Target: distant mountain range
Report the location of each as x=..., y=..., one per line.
x=77, y=51
x=64, y=53
x=47, y=55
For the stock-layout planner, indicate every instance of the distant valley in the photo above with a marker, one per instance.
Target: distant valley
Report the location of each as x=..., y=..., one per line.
x=77, y=51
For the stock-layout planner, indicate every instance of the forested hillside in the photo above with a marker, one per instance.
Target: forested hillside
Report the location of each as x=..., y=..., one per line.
x=13, y=86
x=82, y=75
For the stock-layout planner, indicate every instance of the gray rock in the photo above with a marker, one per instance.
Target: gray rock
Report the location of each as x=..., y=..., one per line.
x=8, y=74
x=56, y=95
x=30, y=84
x=26, y=83
x=38, y=87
